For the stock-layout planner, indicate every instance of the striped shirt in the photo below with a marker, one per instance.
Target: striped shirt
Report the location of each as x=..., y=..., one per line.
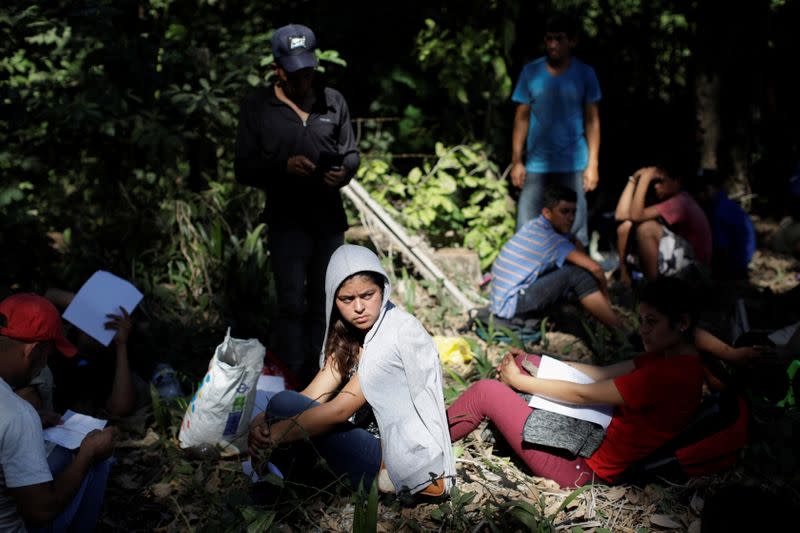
x=535, y=249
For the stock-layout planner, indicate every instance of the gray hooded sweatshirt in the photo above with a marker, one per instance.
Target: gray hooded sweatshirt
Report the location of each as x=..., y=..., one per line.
x=401, y=378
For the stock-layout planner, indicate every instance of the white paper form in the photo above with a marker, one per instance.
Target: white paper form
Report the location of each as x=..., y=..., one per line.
x=782, y=337
x=102, y=294
x=550, y=368
x=73, y=428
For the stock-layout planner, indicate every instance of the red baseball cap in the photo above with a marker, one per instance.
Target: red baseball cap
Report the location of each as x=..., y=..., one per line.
x=31, y=318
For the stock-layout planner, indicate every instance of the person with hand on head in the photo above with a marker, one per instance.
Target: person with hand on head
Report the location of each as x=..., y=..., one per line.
x=376, y=407
x=669, y=236
x=30, y=330
x=96, y=379
x=122, y=400
x=287, y=131
x=556, y=134
x=654, y=395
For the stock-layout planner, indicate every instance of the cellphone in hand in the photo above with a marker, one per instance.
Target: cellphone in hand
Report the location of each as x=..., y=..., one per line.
x=329, y=161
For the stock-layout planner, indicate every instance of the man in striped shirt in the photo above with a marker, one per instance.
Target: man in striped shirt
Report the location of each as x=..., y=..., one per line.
x=543, y=264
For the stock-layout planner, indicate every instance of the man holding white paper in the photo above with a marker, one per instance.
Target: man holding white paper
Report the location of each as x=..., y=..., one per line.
x=102, y=295
x=30, y=329
x=99, y=377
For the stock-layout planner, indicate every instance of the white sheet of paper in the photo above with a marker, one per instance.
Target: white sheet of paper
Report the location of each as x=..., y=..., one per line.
x=73, y=428
x=266, y=388
x=101, y=295
x=550, y=368
x=781, y=337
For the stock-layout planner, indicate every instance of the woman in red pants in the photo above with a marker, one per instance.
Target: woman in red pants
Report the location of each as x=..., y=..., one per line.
x=654, y=395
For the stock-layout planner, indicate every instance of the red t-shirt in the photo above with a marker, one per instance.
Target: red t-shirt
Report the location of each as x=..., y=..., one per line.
x=688, y=220
x=661, y=395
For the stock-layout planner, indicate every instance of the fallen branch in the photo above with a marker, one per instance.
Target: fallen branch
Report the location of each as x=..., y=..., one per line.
x=411, y=248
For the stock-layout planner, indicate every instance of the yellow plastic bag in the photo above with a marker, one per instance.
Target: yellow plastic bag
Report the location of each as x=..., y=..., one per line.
x=453, y=351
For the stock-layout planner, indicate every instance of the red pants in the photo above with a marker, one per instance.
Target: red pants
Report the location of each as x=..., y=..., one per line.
x=499, y=403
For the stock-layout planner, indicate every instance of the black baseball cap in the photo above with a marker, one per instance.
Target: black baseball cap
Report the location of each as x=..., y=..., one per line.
x=293, y=47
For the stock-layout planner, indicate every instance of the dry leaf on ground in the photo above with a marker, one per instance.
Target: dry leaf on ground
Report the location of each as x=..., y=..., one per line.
x=162, y=490
x=697, y=503
x=615, y=494
x=664, y=521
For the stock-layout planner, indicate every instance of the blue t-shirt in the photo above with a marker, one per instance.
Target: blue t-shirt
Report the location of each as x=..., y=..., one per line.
x=732, y=232
x=556, y=141
x=535, y=249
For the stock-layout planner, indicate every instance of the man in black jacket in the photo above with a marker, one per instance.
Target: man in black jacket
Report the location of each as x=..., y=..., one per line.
x=295, y=141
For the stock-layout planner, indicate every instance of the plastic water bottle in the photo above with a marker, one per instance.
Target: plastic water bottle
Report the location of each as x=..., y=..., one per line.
x=166, y=381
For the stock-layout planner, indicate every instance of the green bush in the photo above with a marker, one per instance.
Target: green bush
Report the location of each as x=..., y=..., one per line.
x=459, y=199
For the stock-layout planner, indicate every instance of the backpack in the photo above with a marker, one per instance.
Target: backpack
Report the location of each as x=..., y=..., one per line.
x=710, y=443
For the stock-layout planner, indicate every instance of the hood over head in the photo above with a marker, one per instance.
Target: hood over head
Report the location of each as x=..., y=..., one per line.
x=347, y=260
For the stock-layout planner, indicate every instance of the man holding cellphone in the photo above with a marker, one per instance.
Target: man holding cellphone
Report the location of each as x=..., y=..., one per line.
x=295, y=141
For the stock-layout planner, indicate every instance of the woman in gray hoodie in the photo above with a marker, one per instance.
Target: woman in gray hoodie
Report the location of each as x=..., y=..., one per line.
x=376, y=406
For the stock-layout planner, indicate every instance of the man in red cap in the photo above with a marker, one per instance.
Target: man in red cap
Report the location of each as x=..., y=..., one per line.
x=30, y=328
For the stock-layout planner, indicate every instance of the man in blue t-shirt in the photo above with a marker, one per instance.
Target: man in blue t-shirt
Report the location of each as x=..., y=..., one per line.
x=542, y=265
x=556, y=135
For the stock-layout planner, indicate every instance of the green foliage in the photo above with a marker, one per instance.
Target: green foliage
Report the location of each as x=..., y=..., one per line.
x=533, y=517
x=468, y=63
x=160, y=411
x=666, y=27
x=455, y=387
x=454, y=84
x=365, y=509
x=608, y=346
x=167, y=414
x=116, y=135
x=545, y=342
x=411, y=290
x=488, y=331
x=514, y=339
x=460, y=199
x=483, y=365
x=257, y=520
x=453, y=514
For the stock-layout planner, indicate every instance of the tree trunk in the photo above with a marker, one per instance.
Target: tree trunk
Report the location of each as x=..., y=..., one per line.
x=708, y=119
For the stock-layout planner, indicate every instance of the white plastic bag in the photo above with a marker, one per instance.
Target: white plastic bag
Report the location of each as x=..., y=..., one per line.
x=219, y=412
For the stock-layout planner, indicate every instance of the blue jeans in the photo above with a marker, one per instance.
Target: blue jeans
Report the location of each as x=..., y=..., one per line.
x=568, y=283
x=299, y=260
x=83, y=511
x=531, y=198
x=348, y=450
